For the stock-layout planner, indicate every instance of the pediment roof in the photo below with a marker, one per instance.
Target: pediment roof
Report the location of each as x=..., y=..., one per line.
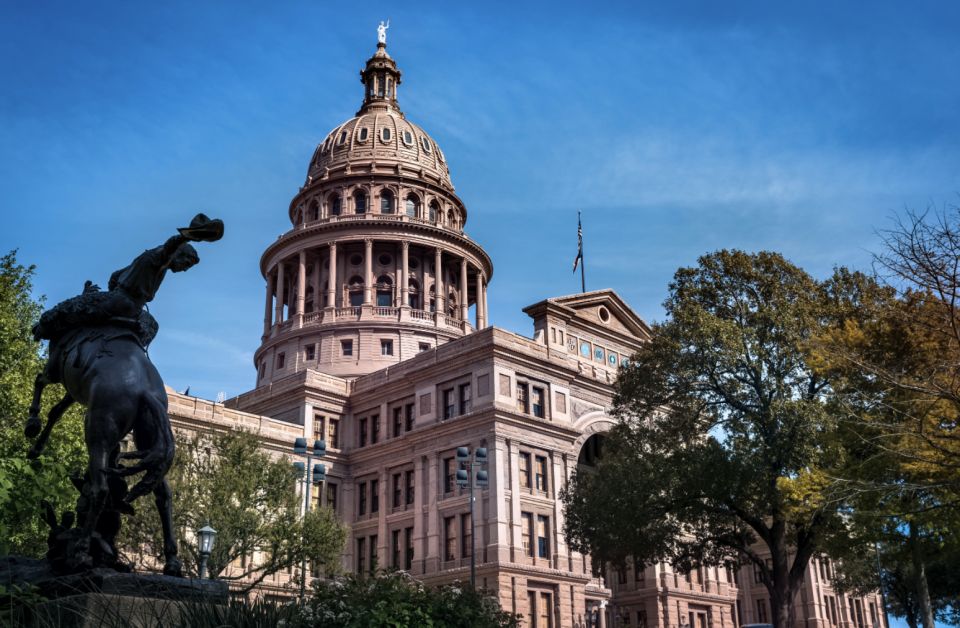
x=584, y=309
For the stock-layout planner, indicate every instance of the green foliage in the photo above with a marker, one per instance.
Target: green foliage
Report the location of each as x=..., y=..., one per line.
x=395, y=600
x=724, y=438
x=24, y=484
x=227, y=481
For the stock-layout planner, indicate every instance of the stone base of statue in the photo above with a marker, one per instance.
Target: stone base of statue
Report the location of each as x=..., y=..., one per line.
x=103, y=597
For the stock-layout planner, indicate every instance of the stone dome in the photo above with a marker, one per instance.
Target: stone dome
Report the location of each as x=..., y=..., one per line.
x=380, y=134
x=384, y=136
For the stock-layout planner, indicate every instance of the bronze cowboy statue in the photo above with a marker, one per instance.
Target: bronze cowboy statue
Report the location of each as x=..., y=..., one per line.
x=98, y=351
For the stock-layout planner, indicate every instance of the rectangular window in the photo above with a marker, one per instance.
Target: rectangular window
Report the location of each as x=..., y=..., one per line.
x=363, y=432
x=374, y=496
x=449, y=407
x=374, y=429
x=449, y=475
x=524, y=470
x=346, y=347
x=318, y=431
x=408, y=417
x=539, y=410
x=757, y=575
x=467, y=535
x=408, y=552
x=545, y=611
x=397, y=491
x=450, y=538
x=464, y=398
x=523, y=398
x=311, y=353
x=332, y=496
x=362, y=498
x=621, y=575
x=423, y=346
x=386, y=347
x=397, y=421
x=373, y=553
x=411, y=487
x=333, y=433
x=637, y=571
x=761, y=611
x=395, y=549
x=361, y=555
x=281, y=360
x=263, y=368
x=541, y=475
x=526, y=532
x=543, y=538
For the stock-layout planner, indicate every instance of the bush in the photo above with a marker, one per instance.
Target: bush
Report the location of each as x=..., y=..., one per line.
x=395, y=600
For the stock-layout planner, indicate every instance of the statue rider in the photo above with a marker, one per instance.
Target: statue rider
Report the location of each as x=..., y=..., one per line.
x=131, y=287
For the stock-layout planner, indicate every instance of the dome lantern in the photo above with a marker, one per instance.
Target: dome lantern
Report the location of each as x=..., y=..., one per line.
x=380, y=79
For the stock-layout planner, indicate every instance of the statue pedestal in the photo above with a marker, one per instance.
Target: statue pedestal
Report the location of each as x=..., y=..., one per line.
x=106, y=598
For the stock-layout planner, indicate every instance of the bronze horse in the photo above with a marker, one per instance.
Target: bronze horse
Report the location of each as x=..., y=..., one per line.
x=98, y=343
x=106, y=369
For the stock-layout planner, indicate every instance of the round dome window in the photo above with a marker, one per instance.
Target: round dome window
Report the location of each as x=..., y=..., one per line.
x=356, y=260
x=426, y=144
x=385, y=134
x=604, y=314
x=385, y=260
x=413, y=263
x=408, y=138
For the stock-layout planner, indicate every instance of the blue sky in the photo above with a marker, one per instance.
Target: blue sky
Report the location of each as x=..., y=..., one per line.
x=678, y=128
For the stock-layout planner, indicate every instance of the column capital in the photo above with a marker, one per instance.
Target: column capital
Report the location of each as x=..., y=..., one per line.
x=405, y=245
x=368, y=241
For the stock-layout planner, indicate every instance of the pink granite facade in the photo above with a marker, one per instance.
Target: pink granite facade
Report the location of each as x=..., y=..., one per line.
x=376, y=339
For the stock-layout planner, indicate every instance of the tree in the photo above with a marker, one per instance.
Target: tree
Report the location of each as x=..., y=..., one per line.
x=724, y=442
x=226, y=481
x=24, y=484
x=896, y=373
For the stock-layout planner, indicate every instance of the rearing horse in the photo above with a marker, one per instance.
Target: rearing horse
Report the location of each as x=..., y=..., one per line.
x=106, y=369
x=98, y=352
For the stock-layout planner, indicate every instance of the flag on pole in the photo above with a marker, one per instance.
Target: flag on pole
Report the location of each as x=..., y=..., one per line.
x=579, y=258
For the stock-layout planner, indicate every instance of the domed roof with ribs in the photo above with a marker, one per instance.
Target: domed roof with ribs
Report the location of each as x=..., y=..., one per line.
x=381, y=133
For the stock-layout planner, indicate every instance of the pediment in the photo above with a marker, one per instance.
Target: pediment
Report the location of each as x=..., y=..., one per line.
x=599, y=309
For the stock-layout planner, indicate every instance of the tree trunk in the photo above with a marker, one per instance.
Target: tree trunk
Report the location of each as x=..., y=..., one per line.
x=919, y=568
x=781, y=593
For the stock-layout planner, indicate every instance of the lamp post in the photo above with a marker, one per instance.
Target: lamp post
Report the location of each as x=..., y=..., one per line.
x=207, y=536
x=309, y=475
x=472, y=474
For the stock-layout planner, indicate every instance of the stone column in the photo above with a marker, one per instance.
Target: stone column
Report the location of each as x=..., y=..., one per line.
x=318, y=264
x=281, y=284
x=404, y=269
x=268, y=308
x=368, y=272
x=438, y=281
x=332, y=277
x=463, y=291
x=301, y=285
x=481, y=293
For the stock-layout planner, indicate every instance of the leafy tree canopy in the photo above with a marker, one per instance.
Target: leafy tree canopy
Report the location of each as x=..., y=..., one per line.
x=227, y=481
x=24, y=484
x=724, y=442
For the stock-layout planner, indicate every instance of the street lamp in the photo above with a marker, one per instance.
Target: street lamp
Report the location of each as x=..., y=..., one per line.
x=310, y=475
x=207, y=536
x=472, y=474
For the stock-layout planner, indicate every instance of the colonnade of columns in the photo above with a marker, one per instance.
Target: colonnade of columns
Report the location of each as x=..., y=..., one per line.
x=280, y=288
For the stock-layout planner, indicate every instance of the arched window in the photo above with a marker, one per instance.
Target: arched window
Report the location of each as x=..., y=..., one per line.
x=386, y=202
x=451, y=219
x=413, y=294
x=434, y=210
x=384, y=291
x=334, y=205
x=355, y=289
x=314, y=210
x=360, y=202
x=413, y=206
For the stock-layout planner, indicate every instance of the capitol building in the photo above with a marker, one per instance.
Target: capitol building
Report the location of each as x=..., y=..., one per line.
x=376, y=339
